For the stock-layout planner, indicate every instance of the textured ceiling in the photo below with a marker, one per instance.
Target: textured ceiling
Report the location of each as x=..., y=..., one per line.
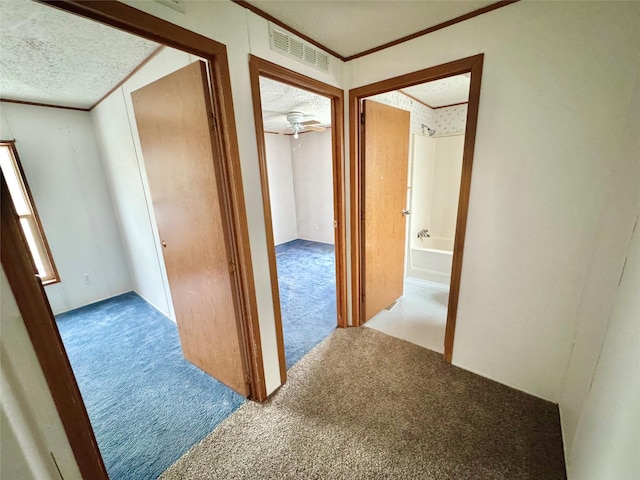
x=349, y=27
x=439, y=93
x=48, y=56
x=278, y=99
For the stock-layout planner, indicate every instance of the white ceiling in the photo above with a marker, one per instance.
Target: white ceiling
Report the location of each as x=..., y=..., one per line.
x=278, y=99
x=446, y=91
x=48, y=56
x=349, y=27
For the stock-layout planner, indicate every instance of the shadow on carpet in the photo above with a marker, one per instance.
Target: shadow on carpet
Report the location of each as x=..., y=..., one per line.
x=307, y=283
x=402, y=414
x=146, y=403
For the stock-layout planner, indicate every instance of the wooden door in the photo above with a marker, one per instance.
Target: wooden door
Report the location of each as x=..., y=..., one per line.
x=181, y=157
x=385, y=140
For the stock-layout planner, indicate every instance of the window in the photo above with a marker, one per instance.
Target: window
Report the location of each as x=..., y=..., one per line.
x=26, y=210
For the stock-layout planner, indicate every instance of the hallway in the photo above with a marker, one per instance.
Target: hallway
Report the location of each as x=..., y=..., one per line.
x=364, y=405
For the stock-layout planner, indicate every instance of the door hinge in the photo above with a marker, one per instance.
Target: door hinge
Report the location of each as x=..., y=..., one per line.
x=362, y=118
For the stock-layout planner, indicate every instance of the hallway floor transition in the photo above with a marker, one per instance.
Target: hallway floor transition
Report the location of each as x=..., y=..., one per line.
x=419, y=317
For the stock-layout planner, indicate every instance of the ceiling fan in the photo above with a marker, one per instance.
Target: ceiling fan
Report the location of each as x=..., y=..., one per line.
x=297, y=124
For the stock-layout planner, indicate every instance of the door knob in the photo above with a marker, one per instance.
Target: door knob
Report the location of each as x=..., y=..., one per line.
x=405, y=213
x=164, y=244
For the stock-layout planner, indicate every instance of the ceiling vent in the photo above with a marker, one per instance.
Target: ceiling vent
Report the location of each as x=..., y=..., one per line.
x=283, y=42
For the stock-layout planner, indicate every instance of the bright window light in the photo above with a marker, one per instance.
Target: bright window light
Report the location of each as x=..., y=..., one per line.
x=27, y=214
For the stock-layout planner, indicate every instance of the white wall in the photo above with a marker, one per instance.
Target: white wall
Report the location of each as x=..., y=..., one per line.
x=31, y=427
x=421, y=173
x=615, y=214
x=301, y=186
x=10, y=447
x=435, y=185
x=62, y=163
x=313, y=185
x=282, y=198
x=446, y=185
x=608, y=437
x=556, y=91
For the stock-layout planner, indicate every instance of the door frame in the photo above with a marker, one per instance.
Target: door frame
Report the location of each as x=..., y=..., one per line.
x=471, y=65
x=257, y=68
x=28, y=291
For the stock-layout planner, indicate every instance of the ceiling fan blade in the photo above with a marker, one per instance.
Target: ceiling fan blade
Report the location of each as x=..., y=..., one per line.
x=314, y=128
x=310, y=122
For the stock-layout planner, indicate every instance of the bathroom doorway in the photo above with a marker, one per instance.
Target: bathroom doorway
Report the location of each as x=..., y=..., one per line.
x=428, y=217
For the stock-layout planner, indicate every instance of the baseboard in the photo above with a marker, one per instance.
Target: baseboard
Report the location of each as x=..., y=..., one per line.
x=92, y=302
x=520, y=389
x=420, y=282
x=284, y=241
x=154, y=305
x=429, y=275
x=315, y=241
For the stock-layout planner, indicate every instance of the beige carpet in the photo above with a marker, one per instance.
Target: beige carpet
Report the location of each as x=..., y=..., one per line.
x=363, y=405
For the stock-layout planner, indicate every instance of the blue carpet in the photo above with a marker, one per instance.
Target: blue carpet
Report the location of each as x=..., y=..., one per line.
x=147, y=404
x=307, y=282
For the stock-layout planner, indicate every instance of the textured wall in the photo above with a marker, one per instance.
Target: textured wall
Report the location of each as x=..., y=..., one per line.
x=445, y=121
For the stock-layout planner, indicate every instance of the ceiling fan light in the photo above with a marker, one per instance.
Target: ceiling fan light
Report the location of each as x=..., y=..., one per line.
x=295, y=135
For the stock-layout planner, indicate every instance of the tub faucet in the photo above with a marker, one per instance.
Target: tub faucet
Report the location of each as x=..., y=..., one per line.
x=424, y=233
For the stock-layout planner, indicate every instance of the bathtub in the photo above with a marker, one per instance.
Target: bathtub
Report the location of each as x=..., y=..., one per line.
x=430, y=259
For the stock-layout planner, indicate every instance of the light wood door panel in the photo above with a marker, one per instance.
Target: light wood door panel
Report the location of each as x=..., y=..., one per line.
x=175, y=124
x=386, y=155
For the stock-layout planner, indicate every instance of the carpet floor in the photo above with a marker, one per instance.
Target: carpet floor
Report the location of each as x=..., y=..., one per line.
x=307, y=284
x=364, y=405
x=146, y=403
